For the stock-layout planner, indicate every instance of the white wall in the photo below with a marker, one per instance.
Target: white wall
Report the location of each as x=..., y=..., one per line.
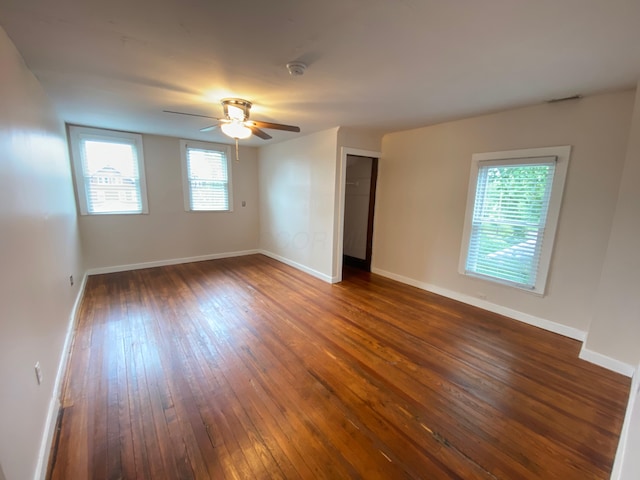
x=39, y=249
x=362, y=139
x=422, y=188
x=615, y=327
x=297, y=201
x=169, y=232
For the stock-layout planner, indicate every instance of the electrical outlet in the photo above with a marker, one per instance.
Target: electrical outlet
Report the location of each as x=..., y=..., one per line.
x=71, y=280
x=244, y=203
x=38, y=373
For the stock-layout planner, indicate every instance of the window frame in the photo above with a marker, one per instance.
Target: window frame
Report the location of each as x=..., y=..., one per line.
x=186, y=184
x=524, y=156
x=78, y=133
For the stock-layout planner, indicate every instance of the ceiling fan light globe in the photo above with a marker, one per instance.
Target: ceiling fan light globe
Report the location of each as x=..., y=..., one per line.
x=236, y=130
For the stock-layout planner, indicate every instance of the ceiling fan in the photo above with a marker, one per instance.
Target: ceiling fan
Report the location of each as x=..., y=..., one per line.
x=236, y=123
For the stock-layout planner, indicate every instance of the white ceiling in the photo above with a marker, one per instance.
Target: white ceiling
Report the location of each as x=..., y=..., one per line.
x=380, y=64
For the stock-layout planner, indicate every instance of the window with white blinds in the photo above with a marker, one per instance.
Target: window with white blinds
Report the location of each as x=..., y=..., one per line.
x=512, y=216
x=109, y=171
x=207, y=176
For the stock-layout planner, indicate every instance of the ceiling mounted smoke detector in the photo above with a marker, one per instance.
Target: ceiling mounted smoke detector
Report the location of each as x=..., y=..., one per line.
x=296, y=69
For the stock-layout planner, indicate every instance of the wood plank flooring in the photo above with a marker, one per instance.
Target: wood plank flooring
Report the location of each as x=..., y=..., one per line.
x=245, y=368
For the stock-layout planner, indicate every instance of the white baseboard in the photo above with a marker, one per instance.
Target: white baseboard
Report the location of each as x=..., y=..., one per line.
x=47, y=439
x=492, y=307
x=298, y=266
x=606, y=362
x=585, y=354
x=172, y=261
x=54, y=403
x=621, y=452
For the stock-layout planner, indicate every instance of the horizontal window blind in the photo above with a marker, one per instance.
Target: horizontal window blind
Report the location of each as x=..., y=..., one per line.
x=208, y=179
x=509, y=218
x=111, y=176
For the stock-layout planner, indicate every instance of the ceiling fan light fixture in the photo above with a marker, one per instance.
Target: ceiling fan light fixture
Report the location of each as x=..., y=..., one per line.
x=236, y=129
x=236, y=123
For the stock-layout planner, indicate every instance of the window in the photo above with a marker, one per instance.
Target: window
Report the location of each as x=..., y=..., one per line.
x=207, y=177
x=513, y=206
x=109, y=171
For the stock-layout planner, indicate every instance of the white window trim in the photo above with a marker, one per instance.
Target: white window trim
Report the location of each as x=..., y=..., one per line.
x=186, y=189
x=78, y=133
x=562, y=154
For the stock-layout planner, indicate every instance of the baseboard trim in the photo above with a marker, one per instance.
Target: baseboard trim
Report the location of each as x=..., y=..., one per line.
x=606, y=362
x=621, y=452
x=172, y=261
x=299, y=266
x=54, y=404
x=485, y=305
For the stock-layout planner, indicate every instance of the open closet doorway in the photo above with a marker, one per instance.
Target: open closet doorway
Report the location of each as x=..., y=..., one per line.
x=359, y=206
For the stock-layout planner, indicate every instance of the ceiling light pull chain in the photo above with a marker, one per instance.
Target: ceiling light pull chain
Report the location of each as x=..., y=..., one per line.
x=237, y=154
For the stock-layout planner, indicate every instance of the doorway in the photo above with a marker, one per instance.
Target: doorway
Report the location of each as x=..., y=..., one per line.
x=359, y=206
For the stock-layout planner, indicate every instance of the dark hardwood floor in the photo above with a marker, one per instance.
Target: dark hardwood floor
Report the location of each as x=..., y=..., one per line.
x=245, y=368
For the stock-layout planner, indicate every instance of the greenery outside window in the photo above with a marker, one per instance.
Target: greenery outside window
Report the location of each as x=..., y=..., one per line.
x=512, y=213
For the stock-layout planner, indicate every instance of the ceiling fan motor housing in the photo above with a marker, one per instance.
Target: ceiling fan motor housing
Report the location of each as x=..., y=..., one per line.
x=236, y=108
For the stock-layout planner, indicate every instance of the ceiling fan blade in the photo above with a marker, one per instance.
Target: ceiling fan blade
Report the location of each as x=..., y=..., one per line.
x=209, y=128
x=191, y=114
x=275, y=126
x=259, y=133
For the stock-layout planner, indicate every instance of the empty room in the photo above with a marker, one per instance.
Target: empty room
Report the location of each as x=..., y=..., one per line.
x=319, y=240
